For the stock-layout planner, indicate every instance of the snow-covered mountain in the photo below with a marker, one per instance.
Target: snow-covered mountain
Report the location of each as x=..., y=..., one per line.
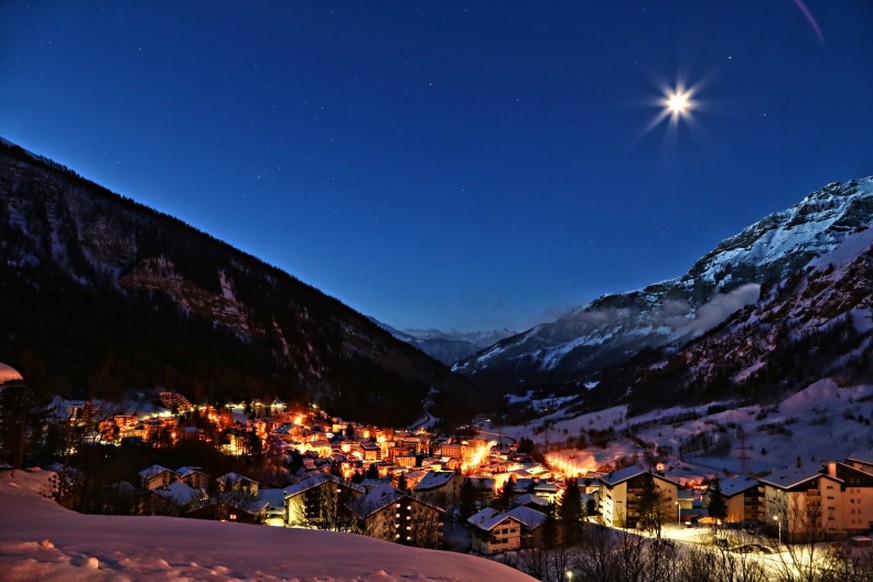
x=816, y=325
x=613, y=328
x=448, y=347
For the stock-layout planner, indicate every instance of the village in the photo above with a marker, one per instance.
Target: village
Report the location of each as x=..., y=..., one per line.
x=463, y=493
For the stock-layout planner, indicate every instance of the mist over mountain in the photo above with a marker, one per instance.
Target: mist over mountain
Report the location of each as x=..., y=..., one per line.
x=99, y=294
x=812, y=326
x=614, y=328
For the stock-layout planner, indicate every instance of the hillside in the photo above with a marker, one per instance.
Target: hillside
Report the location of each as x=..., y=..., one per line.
x=40, y=540
x=815, y=325
x=99, y=294
x=610, y=330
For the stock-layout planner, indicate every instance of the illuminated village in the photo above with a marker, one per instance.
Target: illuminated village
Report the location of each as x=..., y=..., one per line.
x=483, y=492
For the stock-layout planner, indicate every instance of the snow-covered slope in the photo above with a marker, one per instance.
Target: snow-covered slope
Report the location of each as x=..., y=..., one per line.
x=815, y=325
x=613, y=328
x=40, y=540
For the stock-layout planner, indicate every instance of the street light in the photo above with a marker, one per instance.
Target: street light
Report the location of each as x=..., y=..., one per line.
x=679, y=507
x=569, y=574
x=779, y=525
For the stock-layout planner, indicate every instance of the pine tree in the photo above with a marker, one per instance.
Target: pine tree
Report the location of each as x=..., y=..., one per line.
x=23, y=416
x=651, y=511
x=467, y=499
x=504, y=502
x=717, y=506
x=570, y=510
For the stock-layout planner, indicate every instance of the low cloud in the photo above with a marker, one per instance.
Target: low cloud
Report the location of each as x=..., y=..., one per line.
x=721, y=306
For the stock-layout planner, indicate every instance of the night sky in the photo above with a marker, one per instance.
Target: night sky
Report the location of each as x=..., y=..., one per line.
x=450, y=164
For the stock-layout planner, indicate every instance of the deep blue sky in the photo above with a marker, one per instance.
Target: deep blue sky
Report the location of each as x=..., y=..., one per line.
x=449, y=164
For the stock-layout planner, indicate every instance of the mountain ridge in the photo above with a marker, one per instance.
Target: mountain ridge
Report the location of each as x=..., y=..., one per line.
x=147, y=300
x=614, y=327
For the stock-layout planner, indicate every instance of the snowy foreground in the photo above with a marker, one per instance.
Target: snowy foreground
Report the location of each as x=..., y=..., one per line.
x=40, y=540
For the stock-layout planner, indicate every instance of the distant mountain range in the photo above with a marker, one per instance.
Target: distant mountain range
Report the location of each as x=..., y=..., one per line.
x=448, y=347
x=99, y=294
x=741, y=272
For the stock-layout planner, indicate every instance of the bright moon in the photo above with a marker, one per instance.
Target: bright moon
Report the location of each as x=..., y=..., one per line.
x=677, y=103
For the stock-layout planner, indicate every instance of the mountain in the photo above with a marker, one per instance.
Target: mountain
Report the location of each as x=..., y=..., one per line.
x=448, y=347
x=99, y=294
x=815, y=325
x=614, y=328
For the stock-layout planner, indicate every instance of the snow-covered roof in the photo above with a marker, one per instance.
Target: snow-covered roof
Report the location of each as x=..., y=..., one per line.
x=789, y=478
x=434, y=479
x=734, y=485
x=622, y=475
x=231, y=478
x=308, y=483
x=865, y=457
x=274, y=498
x=180, y=493
x=154, y=471
x=531, y=499
x=530, y=518
x=616, y=477
x=376, y=499
x=187, y=471
x=488, y=518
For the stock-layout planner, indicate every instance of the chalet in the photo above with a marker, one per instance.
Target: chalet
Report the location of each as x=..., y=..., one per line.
x=533, y=501
x=388, y=513
x=532, y=522
x=157, y=476
x=495, y=532
x=237, y=482
x=175, y=499
x=236, y=505
x=194, y=477
x=620, y=494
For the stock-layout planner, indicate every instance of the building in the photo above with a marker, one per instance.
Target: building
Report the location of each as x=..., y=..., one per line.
x=156, y=477
x=494, y=532
x=743, y=498
x=321, y=501
x=388, y=513
x=441, y=488
x=803, y=503
x=856, y=495
x=622, y=491
x=194, y=477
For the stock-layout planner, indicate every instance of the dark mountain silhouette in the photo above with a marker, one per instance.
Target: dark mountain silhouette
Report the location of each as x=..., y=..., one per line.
x=100, y=294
